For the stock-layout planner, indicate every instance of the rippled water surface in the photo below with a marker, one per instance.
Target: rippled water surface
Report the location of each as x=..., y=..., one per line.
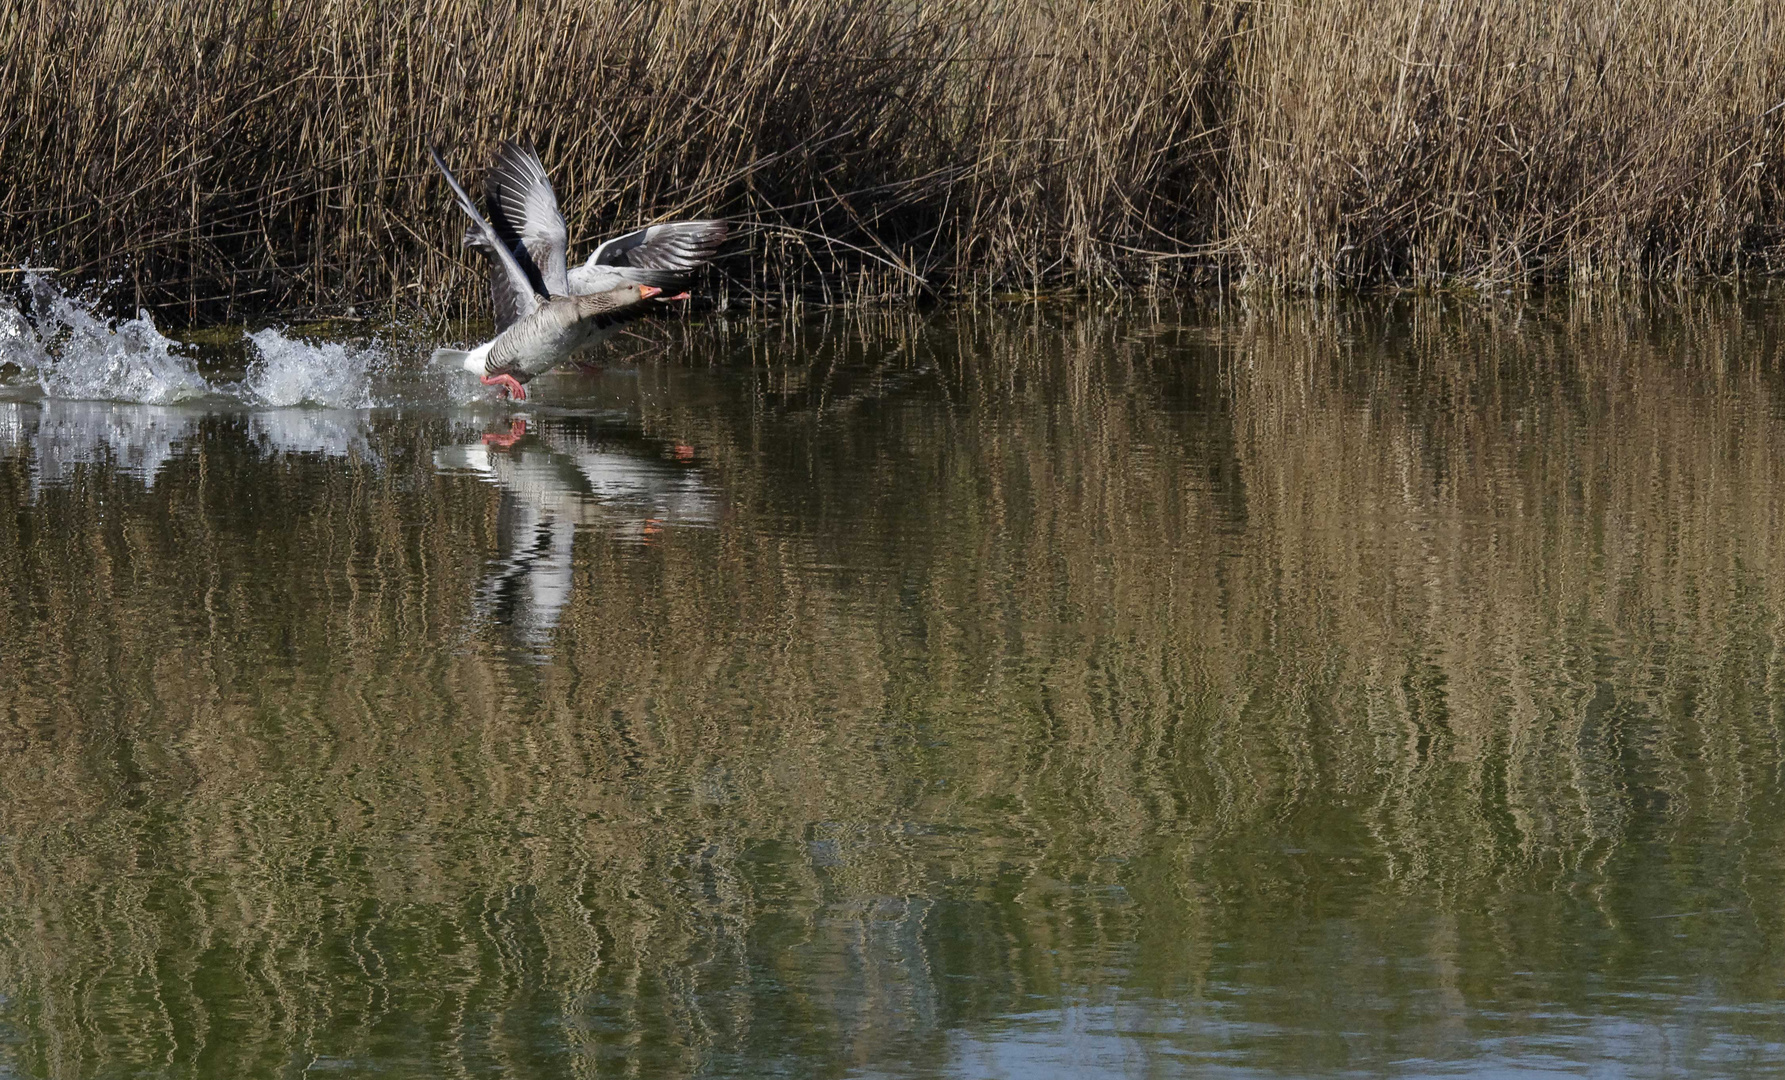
x=1384, y=689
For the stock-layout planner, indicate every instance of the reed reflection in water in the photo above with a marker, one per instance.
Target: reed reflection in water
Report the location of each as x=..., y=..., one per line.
x=1384, y=688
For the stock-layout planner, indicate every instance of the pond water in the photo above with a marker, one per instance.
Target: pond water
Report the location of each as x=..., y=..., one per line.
x=1379, y=689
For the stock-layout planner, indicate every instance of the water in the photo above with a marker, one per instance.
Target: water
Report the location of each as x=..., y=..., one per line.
x=1374, y=689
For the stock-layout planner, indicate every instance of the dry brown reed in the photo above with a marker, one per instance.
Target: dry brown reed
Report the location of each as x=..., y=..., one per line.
x=248, y=151
x=223, y=155
x=1494, y=140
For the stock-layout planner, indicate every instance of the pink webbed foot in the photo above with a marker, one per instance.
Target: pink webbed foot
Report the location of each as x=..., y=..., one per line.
x=678, y=296
x=507, y=382
x=517, y=430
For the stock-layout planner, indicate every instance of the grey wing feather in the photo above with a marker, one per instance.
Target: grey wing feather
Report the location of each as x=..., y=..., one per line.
x=673, y=245
x=512, y=280
x=521, y=199
x=593, y=279
x=510, y=306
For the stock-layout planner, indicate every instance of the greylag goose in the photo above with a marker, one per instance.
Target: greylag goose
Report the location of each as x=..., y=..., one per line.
x=545, y=324
x=524, y=210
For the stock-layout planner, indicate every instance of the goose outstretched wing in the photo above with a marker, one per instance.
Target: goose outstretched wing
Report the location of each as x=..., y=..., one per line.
x=514, y=289
x=525, y=210
x=673, y=245
x=662, y=255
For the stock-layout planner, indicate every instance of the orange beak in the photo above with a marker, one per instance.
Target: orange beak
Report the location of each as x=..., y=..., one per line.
x=645, y=292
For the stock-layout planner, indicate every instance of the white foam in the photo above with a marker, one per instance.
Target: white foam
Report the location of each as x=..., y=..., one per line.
x=290, y=371
x=18, y=343
x=83, y=356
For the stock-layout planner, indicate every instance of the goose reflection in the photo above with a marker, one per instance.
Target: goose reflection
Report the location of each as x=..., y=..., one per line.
x=559, y=474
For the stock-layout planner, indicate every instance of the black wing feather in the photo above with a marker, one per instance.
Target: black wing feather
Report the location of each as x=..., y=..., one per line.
x=524, y=209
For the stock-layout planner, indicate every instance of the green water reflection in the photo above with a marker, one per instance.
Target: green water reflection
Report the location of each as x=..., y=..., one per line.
x=1389, y=689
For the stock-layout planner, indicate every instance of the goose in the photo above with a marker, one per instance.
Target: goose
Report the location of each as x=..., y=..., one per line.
x=524, y=209
x=545, y=323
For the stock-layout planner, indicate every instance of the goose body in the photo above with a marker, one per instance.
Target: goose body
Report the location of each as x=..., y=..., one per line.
x=545, y=324
x=562, y=325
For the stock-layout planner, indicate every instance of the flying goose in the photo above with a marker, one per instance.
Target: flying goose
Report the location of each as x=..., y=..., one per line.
x=524, y=210
x=545, y=322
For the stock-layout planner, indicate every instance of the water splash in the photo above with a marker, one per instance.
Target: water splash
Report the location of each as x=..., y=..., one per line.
x=290, y=371
x=18, y=343
x=79, y=354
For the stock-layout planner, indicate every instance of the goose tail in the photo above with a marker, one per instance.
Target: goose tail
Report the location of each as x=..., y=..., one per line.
x=450, y=358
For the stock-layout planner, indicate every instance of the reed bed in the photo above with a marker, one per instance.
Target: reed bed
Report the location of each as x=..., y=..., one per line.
x=224, y=155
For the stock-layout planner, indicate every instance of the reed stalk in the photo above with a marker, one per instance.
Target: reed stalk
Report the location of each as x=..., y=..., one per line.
x=215, y=157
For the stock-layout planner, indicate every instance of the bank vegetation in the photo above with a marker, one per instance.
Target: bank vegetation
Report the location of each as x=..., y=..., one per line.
x=216, y=156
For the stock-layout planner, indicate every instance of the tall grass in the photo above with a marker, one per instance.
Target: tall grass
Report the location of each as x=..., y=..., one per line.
x=219, y=154
x=1504, y=139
